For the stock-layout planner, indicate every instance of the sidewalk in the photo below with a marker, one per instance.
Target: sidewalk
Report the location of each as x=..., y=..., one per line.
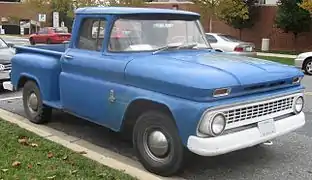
x=277, y=55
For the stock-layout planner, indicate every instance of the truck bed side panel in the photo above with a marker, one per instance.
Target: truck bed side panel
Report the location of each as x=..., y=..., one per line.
x=44, y=69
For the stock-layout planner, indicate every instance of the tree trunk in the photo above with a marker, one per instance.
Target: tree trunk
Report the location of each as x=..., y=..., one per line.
x=210, y=24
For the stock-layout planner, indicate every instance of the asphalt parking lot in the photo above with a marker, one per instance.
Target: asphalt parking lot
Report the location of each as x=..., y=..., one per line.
x=288, y=158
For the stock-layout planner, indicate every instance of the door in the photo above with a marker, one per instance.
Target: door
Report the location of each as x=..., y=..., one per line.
x=88, y=76
x=40, y=37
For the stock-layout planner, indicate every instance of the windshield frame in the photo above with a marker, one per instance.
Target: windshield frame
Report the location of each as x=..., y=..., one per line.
x=154, y=16
x=6, y=44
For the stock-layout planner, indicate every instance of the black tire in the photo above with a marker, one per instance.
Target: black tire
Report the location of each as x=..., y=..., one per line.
x=174, y=159
x=48, y=41
x=306, y=68
x=32, y=41
x=42, y=114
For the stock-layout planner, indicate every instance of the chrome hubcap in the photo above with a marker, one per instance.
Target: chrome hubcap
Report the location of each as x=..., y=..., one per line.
x=32, y=102
x=309, y=67
x=156, y=145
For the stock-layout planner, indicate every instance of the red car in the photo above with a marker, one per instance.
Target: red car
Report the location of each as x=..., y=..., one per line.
x=50, y=35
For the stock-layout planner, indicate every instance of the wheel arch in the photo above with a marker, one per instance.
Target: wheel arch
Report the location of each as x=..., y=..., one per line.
x=24, y=78
x=140, y=105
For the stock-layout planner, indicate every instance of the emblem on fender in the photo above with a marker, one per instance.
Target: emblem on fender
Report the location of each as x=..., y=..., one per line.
x=111, y=97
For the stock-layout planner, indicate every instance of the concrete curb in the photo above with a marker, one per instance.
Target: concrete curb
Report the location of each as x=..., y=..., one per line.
x=108, y=158
x=276, y=55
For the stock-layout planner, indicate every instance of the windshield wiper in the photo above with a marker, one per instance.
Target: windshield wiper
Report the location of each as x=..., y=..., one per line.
x=175, y=47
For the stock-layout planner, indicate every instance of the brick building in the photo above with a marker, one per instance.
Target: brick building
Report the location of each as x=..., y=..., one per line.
x=13, y=15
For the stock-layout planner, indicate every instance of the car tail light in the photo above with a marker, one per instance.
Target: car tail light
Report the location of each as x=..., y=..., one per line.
x=239, y=49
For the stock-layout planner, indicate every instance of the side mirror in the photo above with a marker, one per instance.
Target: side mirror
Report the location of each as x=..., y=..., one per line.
x=11, y=45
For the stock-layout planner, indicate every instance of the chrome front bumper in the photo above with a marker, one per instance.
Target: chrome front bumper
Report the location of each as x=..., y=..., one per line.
x=8, y=85
x=213, y=146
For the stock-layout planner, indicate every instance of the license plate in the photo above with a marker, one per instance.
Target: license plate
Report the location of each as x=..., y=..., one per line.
x=266, y=127
x=249, y=49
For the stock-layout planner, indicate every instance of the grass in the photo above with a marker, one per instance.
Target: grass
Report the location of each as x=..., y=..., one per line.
x=288, y=61
x=25, y=155
x=282, y=52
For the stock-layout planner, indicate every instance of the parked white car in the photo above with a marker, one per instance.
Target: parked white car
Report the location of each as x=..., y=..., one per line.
x=226, y=43
x=304, y=61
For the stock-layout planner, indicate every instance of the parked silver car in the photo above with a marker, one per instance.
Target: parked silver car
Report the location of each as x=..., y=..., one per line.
x=304, y=62
x=229, y=44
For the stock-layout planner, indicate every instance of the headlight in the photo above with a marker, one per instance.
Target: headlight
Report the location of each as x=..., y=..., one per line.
x=296, y=80
x=213, y=125
x=298, y=104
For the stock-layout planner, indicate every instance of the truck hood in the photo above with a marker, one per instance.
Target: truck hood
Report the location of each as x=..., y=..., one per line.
x=205, y=71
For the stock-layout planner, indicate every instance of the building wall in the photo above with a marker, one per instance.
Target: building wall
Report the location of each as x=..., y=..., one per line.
x=264, y=28
x=20, y=11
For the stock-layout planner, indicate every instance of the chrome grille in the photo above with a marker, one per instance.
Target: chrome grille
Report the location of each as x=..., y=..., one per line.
x=258, y=110
x=7, y=66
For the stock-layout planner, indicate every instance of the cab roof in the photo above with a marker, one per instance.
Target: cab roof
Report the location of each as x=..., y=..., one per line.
x=131, y=10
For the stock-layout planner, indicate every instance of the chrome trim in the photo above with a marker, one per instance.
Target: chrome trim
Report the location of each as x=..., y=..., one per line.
x=294, y=104
x=255, y=102
x=211, y=119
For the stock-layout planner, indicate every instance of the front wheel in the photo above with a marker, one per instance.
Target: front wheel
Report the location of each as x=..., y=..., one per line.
x=34, y=108
x=32, y=41
x=157, y=143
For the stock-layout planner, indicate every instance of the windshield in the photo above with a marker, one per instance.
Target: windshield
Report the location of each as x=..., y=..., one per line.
x=229, y=38
x=151, y=35
x=59, y=30
x=3, y=44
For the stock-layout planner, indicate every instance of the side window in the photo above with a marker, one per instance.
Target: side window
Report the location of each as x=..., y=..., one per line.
x=211, y=39
x=91, y=34
x=41, y=31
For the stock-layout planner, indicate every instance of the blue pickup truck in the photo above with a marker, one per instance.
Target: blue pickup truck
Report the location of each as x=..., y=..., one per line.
x=151, y=74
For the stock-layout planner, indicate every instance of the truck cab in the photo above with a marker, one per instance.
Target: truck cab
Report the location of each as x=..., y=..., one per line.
x=151, y=74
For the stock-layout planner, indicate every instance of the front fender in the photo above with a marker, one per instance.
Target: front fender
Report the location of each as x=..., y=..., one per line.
x=186, y=113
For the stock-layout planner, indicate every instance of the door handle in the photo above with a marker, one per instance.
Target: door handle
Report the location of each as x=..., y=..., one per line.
x=68, y=56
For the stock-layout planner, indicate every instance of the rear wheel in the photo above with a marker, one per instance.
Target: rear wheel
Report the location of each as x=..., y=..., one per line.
x=34, y=108
x=157, y=143
x=307, y=67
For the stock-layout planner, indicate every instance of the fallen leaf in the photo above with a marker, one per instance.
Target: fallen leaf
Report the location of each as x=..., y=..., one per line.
x=23, y=141
x=29, y=166
x=65, y=158
x=73, y=172
x=4, y=170
x=50, y=155
x=51, y=177
x=16, y=163
x=38, y=163
x=34, y=145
